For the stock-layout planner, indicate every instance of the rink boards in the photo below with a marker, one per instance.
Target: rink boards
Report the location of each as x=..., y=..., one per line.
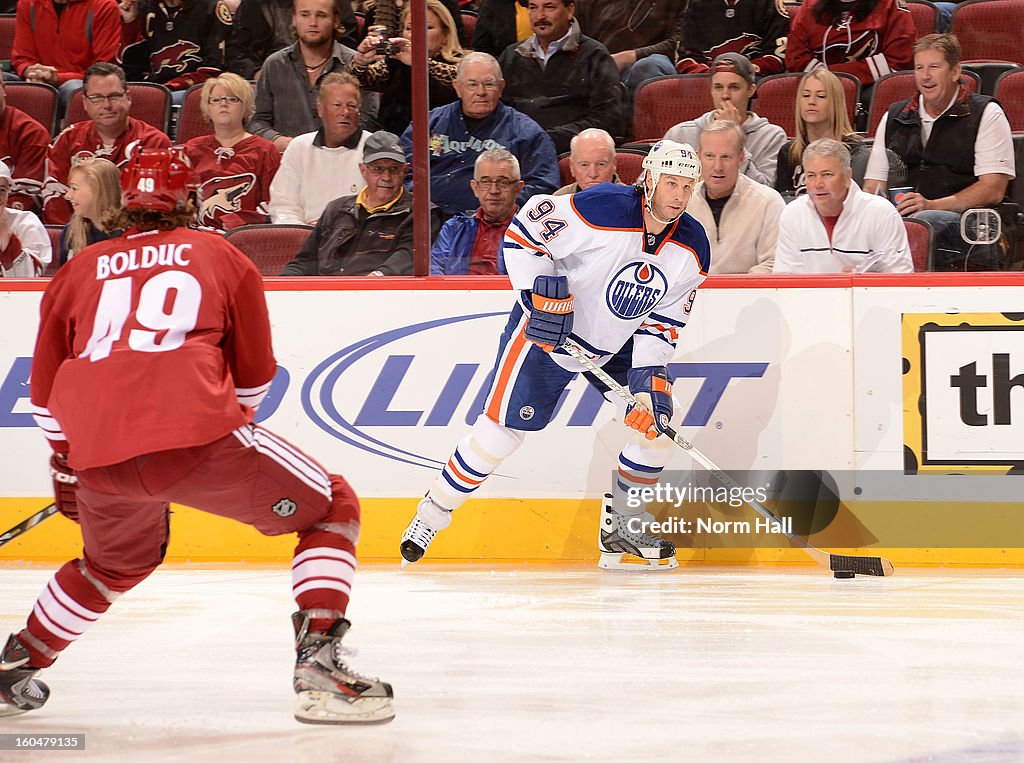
x=913, y=378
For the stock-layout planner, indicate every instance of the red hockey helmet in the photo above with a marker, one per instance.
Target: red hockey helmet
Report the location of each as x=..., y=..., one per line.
x=158, y=180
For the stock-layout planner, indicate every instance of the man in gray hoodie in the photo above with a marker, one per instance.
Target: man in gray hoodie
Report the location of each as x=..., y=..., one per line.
x=732, y=87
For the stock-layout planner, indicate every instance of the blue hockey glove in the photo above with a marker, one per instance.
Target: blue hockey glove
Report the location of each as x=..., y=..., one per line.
x=550, y=321
x=651, y=387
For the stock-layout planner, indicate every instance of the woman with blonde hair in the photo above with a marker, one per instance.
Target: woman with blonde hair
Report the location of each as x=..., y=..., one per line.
x=234, y=166
x=94, y=192
x=391, y=75
x=820, y=113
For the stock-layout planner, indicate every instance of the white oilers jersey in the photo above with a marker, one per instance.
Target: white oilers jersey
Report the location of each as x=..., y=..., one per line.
x=596, y=238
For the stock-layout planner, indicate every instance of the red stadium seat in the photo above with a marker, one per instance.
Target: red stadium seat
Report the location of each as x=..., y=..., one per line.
x=628, y=164
x=54, y=231
x=150, y=103
x=1010, y=94
x=191, y=123
x=925, y=15
x=37, y=100
x=990, y=33
x=664, y=102
x=898, y=86
x=271, y=247
x=922, y=243
x=468, y=23
x=6, y=36
x=776, y=98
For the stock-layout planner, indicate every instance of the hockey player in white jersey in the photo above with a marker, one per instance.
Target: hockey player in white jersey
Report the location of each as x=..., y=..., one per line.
x=615, y=270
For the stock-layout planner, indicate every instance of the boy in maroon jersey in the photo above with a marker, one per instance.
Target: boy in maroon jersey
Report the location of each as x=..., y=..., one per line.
x=153, y=353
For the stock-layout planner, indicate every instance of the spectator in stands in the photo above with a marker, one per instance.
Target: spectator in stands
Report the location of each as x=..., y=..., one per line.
x=591, y=161
x=108, y=133
x=865, y=38
x=471, y=244
x=25, y=249
x=756, y=29
x=562, y=79
x=23, y=146
x=820, y=113
x=323, y=165
x=732, y=87
x=741, y=216
x=263, y=27
x=479, y=121
x=391, y=76
x=501, y=23
x=56, y=48
x=94, y=193
x=369, y=233
x=235, y=167
x=391, y=14
x=956, y=145
x=286, y=92
x=176, y=43
x=836, y=227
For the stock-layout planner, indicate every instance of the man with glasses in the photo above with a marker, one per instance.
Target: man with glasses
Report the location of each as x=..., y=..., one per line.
x=477, y=122
x=322, y=165
x=368, y=233
x=471, y=244
x=109, y=133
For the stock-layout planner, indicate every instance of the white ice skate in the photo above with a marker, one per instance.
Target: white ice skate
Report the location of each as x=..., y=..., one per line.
x=625, y=546
x=430, y=519
x=328, y=690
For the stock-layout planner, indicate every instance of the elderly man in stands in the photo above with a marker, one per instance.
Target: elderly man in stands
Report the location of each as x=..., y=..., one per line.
x=740, y=215
x=471, y=244
x=478, y=122
x=591, y=161
x=323, y=165
x=732, y=87
x=369, y=233
x=836, y=227
x=957, y=148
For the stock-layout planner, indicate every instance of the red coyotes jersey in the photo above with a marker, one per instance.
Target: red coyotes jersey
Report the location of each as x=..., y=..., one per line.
x=235, y=186
x=81, y=141
x=23, y=146
x=146, y=343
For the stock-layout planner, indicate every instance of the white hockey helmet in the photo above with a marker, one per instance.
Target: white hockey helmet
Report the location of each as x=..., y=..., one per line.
x=667, y=157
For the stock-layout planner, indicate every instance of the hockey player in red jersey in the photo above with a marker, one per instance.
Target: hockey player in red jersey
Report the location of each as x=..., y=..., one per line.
x=615, y=270
x=153, y=353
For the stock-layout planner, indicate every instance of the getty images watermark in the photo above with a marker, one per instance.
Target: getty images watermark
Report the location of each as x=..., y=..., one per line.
x=678, y=495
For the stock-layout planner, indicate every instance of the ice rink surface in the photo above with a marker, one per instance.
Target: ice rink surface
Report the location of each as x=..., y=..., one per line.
x=542, y=663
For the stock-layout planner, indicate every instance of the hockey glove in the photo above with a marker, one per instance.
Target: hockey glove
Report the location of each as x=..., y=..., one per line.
x=550, y=321
x=65, y=486
x=651, y=388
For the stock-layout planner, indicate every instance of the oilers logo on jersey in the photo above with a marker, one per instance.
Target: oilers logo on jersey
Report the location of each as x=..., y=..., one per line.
x=635, y=290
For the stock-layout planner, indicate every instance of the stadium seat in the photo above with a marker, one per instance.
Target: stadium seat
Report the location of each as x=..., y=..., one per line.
x=271, y=247
x=37, y=100
x=6, y=36
x=897, y=86
x=54, y=231
x=663, y=102
x=1010, y=94
x=191, y=123
x=921, y=237
x=468, y=24
x=925, y=15
x=990, y=34
x=628, y=164
x=775, y=99
x=150, y=103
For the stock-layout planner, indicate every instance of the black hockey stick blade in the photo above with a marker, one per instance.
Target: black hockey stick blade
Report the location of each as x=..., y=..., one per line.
x=862, y=565
x=27, y=524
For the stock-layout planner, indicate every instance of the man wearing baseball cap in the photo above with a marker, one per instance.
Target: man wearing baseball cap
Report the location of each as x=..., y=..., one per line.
x=368, y=233
x=732, y=88
x=25, y=249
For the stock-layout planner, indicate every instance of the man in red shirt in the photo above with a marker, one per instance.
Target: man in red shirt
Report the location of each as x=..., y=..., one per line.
x=109, y=133
x=23, y=146
x=153, y=353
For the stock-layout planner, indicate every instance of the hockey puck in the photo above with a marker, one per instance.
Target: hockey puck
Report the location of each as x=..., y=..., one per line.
x=844, y=574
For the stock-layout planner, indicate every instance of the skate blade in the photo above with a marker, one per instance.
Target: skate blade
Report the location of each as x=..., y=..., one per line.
x=632, y=563
x=327, y=708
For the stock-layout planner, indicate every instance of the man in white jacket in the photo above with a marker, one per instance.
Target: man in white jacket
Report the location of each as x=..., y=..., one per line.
x=732, y=87
x=25, y=249
x=740, y=216
x=836, y=227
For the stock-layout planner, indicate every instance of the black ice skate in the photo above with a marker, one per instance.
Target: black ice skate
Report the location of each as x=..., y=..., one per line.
x=19, y=691
x=328, y=690
x=624, y=545
x=430, y=519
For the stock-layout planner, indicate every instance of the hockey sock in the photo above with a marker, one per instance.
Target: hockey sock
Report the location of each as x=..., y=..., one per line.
x=640, y=465
x=477, y=455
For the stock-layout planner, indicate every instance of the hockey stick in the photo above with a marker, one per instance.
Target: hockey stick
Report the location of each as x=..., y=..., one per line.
x=26, y=525
x=861, y=565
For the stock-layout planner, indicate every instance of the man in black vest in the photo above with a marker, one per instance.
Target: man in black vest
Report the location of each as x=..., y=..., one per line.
x=956, y=146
